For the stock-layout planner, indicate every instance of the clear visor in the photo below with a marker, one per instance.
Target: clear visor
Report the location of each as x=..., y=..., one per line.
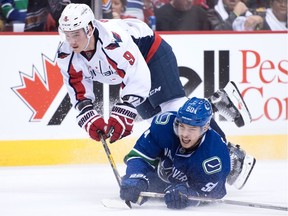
x=74, y=35
x=71, y=35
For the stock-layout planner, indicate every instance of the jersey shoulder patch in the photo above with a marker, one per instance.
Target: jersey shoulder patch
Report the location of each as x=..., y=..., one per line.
x=212, y=165
x=164, y=118
x=62, y=55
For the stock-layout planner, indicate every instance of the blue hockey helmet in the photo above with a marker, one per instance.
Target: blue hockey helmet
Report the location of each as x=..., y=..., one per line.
x=195, y=112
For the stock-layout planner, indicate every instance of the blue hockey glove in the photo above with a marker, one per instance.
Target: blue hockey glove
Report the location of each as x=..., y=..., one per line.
x=132, y=185
x=176, y=196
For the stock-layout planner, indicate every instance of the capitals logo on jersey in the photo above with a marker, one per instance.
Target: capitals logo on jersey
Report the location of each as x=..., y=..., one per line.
x=115, y=44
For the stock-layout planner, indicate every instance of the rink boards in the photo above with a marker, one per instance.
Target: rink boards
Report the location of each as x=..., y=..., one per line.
x=38, y=124
x=53, y=152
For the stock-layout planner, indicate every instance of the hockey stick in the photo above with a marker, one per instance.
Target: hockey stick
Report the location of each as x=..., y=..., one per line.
x=112, y=163
x=223, y=201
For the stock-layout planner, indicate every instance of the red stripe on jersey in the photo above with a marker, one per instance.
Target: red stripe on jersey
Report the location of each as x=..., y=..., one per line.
x=154, y=47
x=122, y=85
x=120, y=72
x=75, y=82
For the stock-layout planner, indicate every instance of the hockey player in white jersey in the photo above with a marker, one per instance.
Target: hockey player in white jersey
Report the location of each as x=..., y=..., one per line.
x=129, y=53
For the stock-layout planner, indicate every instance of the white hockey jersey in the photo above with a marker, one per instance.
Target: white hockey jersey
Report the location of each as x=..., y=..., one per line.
x=122, y=49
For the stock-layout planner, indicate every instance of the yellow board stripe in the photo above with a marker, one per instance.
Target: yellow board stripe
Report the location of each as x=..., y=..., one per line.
x=52, y=152
x=263, y=147
x=82, y=151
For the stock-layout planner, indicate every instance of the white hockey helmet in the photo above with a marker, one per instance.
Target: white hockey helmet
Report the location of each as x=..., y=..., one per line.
x=75, y=17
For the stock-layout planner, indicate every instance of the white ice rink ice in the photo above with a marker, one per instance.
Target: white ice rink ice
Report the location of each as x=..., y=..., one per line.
x=77, y=190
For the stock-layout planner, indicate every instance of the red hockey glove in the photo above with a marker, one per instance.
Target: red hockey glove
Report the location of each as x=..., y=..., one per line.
x=121, y=121
x=93, y=123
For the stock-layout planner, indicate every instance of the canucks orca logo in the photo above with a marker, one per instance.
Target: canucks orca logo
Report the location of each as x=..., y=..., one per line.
x=115, y=44
x=212, y=165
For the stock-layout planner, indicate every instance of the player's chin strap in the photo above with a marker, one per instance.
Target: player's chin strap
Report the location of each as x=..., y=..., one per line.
x=89, y=38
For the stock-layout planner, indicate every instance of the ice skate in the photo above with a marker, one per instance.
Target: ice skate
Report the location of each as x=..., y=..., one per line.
x=230, y=104
x=241, y=166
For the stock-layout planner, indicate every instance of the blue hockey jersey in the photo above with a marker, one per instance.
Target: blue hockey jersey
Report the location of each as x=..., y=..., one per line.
x=159, y=150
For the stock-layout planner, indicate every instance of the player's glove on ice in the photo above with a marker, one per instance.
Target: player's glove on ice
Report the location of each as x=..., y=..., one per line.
x=132, y=185
x=92, y=122
x=121, y=121
x=176, y=196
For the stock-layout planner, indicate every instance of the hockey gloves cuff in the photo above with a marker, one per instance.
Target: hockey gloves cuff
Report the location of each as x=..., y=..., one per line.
x=92, y=122
x=132, y=185
x=121, y=121
x=176, y=196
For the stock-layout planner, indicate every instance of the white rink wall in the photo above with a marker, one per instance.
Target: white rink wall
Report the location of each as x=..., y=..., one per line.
x=36, y=117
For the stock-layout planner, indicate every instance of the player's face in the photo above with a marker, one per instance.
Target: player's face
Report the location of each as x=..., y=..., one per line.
x=77, y=39
x=188, y=135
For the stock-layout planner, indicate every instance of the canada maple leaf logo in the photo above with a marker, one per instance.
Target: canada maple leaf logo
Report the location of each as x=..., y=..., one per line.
x=38, y=93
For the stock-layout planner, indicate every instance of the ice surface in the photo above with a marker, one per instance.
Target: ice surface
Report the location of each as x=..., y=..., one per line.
x=77, y=190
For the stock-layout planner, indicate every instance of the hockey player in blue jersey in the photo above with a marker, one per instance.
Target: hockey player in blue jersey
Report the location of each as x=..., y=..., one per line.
x=129, y=53
x=179, y=155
